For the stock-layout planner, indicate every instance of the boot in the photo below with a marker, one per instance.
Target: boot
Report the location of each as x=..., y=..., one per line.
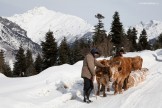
x=88, y=94
x=84, y=95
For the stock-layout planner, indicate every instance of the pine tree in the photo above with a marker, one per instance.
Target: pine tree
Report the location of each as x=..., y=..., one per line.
x=64, y=52
x=158, y=42
x=85, y=45
x=76, y=53
x=49, y=50
x=129, y=34
x=2, y=61
x=134, y=38
x=4, y=68
x=99, y=32
x=20, y=64
x=117, y=31
x=30, y=70
x=38, y=64
x=7, y=70
x=143, y=43
x=130, y=37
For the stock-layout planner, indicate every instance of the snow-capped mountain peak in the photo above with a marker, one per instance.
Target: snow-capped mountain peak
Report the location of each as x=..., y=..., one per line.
x=38, y=21
x=153, y=28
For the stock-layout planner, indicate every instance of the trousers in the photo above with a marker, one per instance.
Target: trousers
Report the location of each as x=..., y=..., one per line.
x=88, y=87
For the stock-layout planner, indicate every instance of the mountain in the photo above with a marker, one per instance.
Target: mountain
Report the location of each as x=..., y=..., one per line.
x=12, y=36
x=39, y=21
x=153, y=28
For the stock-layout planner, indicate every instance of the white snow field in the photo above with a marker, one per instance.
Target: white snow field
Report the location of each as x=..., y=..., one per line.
x=61, y=87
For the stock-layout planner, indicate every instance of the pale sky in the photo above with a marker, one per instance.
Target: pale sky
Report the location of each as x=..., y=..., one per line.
x=131, y=11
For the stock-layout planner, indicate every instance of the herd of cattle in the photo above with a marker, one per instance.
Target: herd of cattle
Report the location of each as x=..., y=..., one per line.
x=124, y=72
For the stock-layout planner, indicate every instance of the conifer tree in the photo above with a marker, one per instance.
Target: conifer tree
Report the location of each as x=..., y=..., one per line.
x=117, y=31
x=38, y=64
x=99, y=32
x=30, y=70
x=85, y=45
x=4, y=68
x=49, y=50
x=7, y=70
x=160, y=40
x=130, y=37
x=129, y=34
x=2, y=61
x=143, y=43
x=134, y=38
x=76, y=54
x=64, y=52
x=20, y=64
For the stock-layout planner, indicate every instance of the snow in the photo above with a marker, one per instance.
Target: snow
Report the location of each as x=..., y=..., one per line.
x=38, y=21
x=61, y=87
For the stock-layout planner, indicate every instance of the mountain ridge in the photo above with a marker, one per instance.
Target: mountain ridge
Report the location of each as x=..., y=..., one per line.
x=40, y=20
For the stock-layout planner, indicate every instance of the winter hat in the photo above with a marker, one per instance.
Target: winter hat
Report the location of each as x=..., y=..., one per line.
x=94, y=51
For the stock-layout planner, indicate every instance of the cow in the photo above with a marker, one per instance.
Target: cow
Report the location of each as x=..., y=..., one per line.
x=102, y=77
x=136, y=63
x=120, y=69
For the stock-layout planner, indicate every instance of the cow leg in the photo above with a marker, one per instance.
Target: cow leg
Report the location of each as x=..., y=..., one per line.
x=102, y=88
x=98, y=83
x=120, y=87
x=125, y=87
x=104, y=94
x=124, y=84
x=116, y=88
x=107, y=85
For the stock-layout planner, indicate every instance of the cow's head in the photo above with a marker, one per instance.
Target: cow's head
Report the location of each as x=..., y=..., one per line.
x=115, y=69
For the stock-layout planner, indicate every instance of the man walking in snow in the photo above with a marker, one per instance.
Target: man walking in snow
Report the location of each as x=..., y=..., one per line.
x=88, y=72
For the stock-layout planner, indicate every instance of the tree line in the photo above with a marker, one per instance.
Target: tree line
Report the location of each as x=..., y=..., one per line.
x=54, y=54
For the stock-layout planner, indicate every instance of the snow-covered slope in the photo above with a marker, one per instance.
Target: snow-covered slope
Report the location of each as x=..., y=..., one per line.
x=153, y=28
x=39, y=21
x=61, y=87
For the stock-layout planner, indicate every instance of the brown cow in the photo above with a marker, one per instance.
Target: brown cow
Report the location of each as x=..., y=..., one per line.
x=120, y=69
x=136, y=63
x=102, y=77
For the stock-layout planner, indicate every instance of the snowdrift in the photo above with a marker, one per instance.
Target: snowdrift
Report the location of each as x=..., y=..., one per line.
x=61, y=87
x=137, y=77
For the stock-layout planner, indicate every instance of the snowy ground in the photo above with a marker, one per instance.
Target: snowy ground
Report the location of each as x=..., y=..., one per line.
x=61, y=87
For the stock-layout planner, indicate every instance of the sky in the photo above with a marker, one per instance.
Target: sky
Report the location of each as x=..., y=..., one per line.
x=131, y=11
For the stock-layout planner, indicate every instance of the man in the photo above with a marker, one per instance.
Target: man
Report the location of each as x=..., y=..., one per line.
x=120, y=52
x=88, y=72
